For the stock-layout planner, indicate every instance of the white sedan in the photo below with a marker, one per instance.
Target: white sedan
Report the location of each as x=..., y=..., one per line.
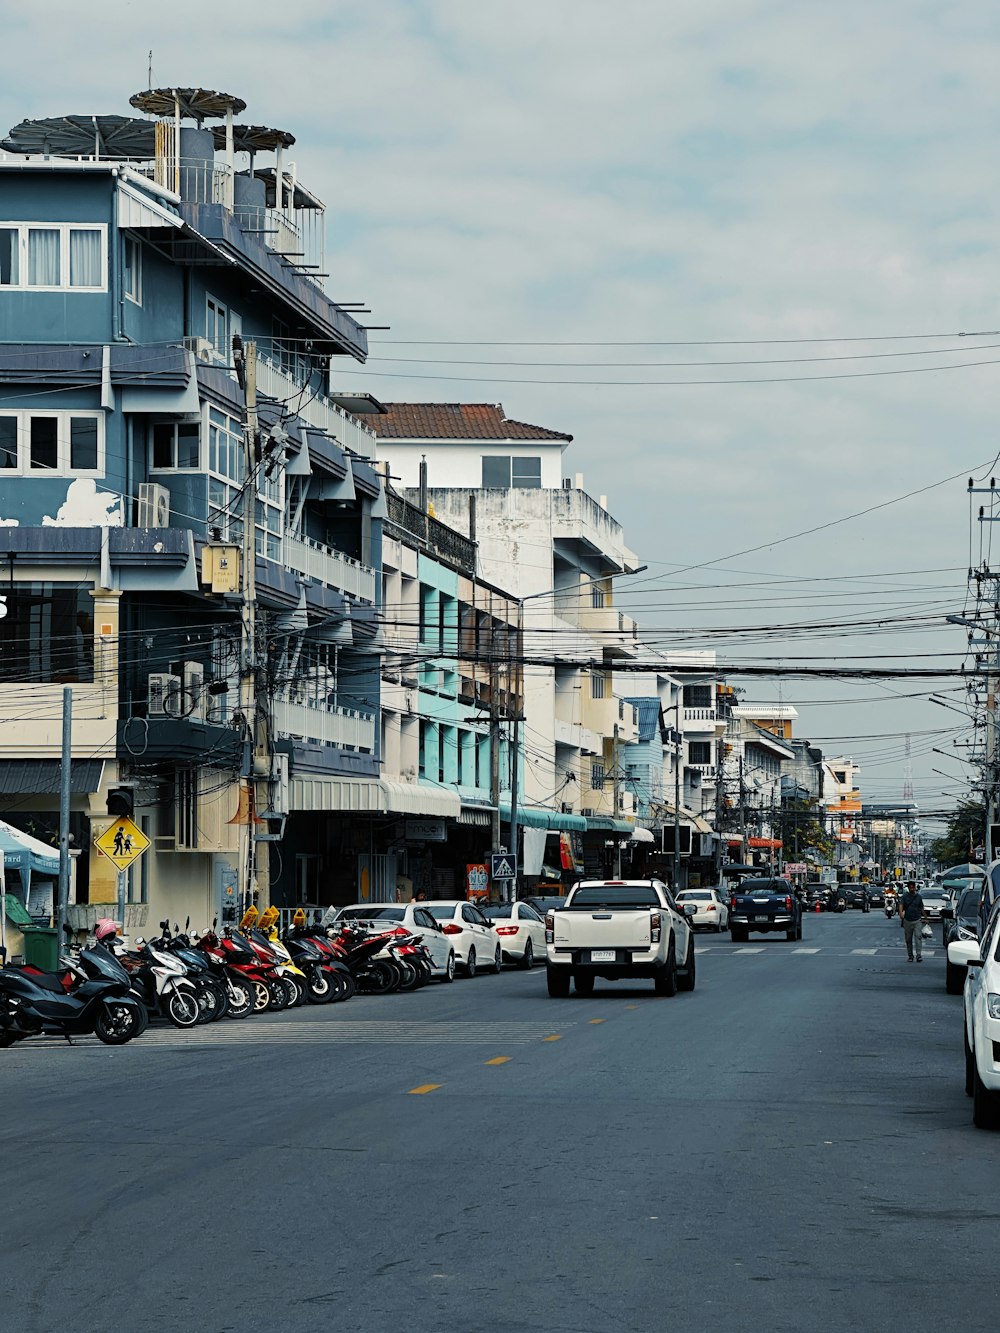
x=412, y=917
x=713, y=911
x=981, y=959
x=521, y=932
x=472, y=937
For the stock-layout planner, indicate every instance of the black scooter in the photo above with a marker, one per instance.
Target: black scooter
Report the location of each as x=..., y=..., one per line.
x=33, y=1002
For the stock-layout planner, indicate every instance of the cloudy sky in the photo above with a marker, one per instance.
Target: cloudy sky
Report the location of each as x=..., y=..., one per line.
x=767, y=186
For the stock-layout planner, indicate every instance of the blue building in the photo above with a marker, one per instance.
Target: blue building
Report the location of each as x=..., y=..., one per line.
x=132, y=252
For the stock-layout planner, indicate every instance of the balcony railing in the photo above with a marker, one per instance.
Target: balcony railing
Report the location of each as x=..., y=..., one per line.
x=438, y=536
x=329, y=726
x=699, y=714
x=316, y=408
x=706, y=770
x=325, y=565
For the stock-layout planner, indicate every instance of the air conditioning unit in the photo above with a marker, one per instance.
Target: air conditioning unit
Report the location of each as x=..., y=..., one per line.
x=163, y=695
x=153, y=509
x=567, y=483
x=203, y=348
x=587, y=811
x=194, y=691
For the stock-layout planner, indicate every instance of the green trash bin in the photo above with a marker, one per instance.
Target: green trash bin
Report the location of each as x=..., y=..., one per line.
x=41, y=947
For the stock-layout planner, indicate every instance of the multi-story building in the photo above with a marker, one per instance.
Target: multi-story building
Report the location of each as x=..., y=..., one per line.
x=757, y=745
x=132, y=254
x=548, y=543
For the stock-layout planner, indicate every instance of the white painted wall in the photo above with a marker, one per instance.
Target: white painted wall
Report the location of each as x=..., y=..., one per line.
x=459, y=462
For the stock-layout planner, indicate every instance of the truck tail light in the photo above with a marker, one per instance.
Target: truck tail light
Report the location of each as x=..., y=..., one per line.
x=732, y=903
x=788, y=902
x=550, y=928
x=654, y=928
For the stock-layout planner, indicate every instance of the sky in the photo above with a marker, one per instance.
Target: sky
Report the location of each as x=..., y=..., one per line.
x=805, y=187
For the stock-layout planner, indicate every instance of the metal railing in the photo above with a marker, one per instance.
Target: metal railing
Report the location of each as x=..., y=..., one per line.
x=328, y=726
x=328, y=566
x=438, y=536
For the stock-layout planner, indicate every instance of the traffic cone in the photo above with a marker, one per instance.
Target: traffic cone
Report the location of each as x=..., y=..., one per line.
x=817, y=907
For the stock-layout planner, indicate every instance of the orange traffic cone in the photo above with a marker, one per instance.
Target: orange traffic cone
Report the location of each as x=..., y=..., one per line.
x=817, y=907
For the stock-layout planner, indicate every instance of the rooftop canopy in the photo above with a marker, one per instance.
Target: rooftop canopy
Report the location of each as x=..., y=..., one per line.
x=189, y=103
x=117, y=137
x=253, y=138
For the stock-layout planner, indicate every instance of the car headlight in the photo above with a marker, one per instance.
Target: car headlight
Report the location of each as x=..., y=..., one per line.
x=993, y=1005
x=964, y=933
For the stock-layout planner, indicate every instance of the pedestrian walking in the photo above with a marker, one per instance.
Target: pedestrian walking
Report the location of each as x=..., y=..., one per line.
x=911, y=914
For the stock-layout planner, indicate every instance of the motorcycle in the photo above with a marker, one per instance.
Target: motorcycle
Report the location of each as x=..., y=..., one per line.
x=97, y=1000
x=161, y=982
x=328, y=979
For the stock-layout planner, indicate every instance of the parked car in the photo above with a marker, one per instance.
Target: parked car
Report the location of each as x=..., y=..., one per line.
x=473, y=938
x=521, y=932
x=981, y=961
x=413, y=917
x=544, y=904
x=960, y=922
x=713, y=911
x=765, y=905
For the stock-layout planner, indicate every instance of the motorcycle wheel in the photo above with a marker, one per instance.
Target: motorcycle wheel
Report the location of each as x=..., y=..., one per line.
x=411, y=976
x=8, y=1038
x=380, y=979
x=222, y=994
x=342, y=987
x=183, y=1009
x=240, y=998
x=319, y=989
x=261, y=997
x=278, y=995
x=296, y=993
x=208, y=1002
x=117, y=1023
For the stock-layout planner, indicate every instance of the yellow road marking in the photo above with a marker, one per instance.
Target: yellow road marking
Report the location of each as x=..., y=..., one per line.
x=631, y=1006
x=557, y=1037
x=596, y=1020
x=498, y=1060
x=424, y=1087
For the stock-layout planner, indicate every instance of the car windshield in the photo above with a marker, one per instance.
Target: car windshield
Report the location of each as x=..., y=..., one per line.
x=756, y=887
x=495, y=913
x=613, y=895
x=441, y=911
x=373, y=913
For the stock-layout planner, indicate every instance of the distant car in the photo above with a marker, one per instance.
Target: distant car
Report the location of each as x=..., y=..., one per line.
x=473, y=937
x=960, y=922
x=980, y=959
x=712, y=913
x=876, y=895
x=935, y=902
x=857, y=896
x=520, y=930
x=764, y=905
x=543, y=904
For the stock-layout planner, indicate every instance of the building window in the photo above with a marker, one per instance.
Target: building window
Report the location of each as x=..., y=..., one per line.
x=48, y=633
x=64, y=444
x=217, y=327
x=598, y=684
x=132, y=269
x=53, y=256
x=504, y=471
x=597, y=595
x=699, y=752
x=698, y=696
x=176, y=444
x=597, y=776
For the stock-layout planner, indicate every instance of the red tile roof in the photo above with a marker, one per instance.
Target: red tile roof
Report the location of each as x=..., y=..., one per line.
x=455, y=421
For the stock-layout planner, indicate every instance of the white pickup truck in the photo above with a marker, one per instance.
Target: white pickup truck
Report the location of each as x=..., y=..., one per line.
x=617, y=929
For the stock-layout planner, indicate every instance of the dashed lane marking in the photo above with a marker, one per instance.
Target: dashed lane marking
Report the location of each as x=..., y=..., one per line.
x=592, y=1021
x=498, y=1060
x=424, y=1088
x=556, y=1036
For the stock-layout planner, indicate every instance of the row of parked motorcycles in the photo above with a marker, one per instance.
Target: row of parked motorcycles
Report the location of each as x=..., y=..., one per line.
x=112, y=988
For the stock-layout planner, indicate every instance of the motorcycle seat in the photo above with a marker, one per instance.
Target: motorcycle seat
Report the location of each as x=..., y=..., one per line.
x=46, y=980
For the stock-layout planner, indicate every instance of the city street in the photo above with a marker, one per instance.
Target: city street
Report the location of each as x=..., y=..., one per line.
x=789, y=1147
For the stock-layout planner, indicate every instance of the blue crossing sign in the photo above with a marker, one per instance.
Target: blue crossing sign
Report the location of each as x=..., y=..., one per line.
x=503, y=866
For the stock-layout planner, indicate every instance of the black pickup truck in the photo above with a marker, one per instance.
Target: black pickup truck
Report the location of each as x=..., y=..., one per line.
x=766, y=905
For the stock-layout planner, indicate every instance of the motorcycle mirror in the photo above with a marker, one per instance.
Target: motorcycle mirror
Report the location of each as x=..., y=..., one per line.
x=67, y=928
x=187, y=923
x=215, y=922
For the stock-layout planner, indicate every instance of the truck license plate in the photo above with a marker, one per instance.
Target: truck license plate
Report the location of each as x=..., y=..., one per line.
x=602, y=955
x=759, y=918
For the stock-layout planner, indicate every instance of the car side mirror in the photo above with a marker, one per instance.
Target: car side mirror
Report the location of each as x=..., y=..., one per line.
x=965, y=953
x=690, y=909
x=948, y=913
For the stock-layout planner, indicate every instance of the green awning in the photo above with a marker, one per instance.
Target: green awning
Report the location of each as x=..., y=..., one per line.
x=605, y=824
x=535, y=816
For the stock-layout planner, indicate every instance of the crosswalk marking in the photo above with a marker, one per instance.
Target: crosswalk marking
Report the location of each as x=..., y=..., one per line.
x=868, y=952
x=805, y=951
x=755, y=949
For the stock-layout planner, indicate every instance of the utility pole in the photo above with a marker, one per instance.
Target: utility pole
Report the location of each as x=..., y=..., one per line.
x=65, y=770
x=515, y=699
x=615, y=798
x=253, y=879
x=495, y=737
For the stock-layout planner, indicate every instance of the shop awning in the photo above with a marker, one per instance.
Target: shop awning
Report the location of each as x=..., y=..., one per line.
x=371, y=796
x=605, y=824
x=695, y=821
x=771, y=843
x=40, y=777
x=642, y=835
x=26, y=854
x=479, y=815
x=536, y=816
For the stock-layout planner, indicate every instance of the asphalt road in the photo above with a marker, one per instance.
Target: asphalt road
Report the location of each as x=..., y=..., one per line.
x=787, y=1148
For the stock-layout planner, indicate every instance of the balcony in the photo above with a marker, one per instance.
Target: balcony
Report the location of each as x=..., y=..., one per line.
x=575, y=737
x=614, y=631
x=329, y=567
x=436, y=536
x=707, y=771
x=700, y=715
x=317, y=409
x=327, y=726
x=31, y=720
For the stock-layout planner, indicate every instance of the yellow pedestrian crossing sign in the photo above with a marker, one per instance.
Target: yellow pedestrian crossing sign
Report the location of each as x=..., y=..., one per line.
x=122, y=842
